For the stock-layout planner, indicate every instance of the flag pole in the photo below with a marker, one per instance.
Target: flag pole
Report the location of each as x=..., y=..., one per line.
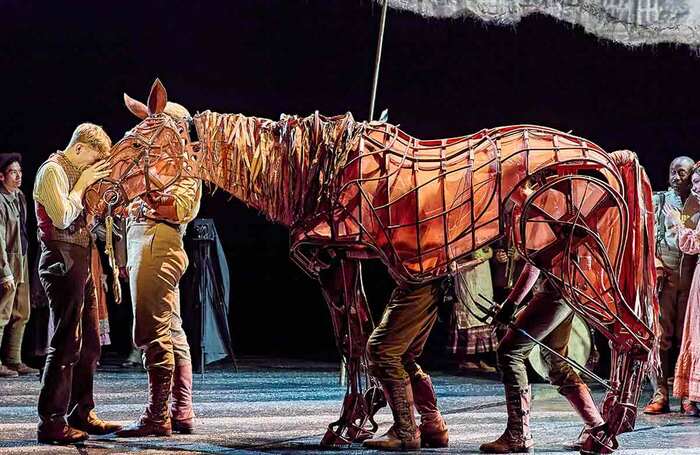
x=375, y=82
x=378, y=60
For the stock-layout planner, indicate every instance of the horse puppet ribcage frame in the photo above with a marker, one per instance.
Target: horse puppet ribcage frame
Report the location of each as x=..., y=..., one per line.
x=349, y=191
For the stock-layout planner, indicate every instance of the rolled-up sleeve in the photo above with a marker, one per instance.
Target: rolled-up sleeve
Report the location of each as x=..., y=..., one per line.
x=187, y=194
x=52, y=192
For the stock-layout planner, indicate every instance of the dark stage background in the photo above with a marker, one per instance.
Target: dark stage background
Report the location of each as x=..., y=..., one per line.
x=62, y=63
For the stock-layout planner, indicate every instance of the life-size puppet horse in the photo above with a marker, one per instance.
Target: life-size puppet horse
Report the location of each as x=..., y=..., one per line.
x=350, y=191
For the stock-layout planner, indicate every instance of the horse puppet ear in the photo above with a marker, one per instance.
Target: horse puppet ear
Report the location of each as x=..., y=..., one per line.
x=136, y=107
x=157, y=99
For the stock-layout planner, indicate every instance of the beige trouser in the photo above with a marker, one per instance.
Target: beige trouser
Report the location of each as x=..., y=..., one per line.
x=14, y=314
x=156, y=260
x=398, y=340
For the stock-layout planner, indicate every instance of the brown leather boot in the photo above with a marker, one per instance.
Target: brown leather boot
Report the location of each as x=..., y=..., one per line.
x=516, y=437
x=403, y=434
x=579, y=396
x=181, y=408
x=93, y=424
x=59, y=434
x=155, y=421
x=433, y=429
x=7, y=373
x=659, y=402
x=22, y=369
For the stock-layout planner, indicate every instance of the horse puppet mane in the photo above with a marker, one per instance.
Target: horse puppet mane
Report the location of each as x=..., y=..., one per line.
x=286, y=169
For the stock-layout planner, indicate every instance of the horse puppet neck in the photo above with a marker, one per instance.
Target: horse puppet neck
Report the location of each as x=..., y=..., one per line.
x=286, y=169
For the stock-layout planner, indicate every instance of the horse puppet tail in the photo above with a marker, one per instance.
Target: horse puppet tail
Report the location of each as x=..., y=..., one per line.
x=638, y=272
x=637, y=283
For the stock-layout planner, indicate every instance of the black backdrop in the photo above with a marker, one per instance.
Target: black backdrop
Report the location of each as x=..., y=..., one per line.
x=62, y=63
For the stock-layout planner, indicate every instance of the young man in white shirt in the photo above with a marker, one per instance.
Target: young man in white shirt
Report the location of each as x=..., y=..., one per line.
x=66, y=404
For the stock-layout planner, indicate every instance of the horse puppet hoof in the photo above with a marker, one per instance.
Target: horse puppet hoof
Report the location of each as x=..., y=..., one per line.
x=594, y=445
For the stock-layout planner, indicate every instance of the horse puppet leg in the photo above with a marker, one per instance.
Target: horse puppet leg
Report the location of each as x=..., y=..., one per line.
x=574, y=229
x=341, y=285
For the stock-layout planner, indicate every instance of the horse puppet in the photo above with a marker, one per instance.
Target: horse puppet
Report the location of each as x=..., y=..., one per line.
x=350, y=191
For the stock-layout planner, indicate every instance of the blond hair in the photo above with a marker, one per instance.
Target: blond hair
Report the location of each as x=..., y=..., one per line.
x=177, y=111
x=93, y=135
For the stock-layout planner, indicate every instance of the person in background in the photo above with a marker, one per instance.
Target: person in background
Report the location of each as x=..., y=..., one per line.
x=686, y=383
x=14, y=267
x=64, y=271
x=675, y=273
x=471, y=338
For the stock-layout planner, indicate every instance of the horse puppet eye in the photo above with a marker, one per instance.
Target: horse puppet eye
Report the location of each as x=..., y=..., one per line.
x=136, y=145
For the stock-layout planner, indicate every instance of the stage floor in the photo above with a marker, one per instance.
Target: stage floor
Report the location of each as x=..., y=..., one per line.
x=273, y=406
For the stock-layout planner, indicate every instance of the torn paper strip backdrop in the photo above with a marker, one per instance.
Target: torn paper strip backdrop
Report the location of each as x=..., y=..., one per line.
x=631, y=22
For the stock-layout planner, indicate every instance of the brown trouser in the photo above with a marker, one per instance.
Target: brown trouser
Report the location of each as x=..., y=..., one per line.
x=548, y=319
x=74, y=349
x=673, y=300
x=14, y=314
x=156, y=260
x=399, y=338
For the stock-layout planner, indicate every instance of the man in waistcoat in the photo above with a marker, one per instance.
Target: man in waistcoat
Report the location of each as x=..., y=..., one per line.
x=66, y=404
x=675, y=272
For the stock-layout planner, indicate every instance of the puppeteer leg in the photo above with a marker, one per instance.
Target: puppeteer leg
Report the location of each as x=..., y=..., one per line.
x=181, y=410
x=433, y=429
x=392, y=351
x=543, y=315
x=156, y=263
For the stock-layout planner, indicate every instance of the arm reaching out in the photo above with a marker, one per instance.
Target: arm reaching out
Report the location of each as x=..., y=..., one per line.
x=525, y=282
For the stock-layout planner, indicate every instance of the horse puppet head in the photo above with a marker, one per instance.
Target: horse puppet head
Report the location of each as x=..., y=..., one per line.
x=150, y=157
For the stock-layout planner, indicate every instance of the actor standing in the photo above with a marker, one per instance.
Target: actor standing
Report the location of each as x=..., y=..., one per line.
x=14, y=266
x=156, y=260
x=686, y=383
x=392, y=350
x=675, y=272
x=64, y=271
x=547, y=318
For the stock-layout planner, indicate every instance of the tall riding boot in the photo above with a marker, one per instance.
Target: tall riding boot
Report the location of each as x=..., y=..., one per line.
x=155, y=421
x=403, y=434
x=433, y=429
x=659, y=402
x=181, y=408
x=516, y=437
x=579, y=396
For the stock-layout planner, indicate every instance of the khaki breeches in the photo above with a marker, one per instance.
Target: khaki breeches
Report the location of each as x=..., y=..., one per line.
x=156, y=260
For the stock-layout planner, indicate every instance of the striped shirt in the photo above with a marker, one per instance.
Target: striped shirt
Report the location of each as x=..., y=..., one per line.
x=52, y=191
